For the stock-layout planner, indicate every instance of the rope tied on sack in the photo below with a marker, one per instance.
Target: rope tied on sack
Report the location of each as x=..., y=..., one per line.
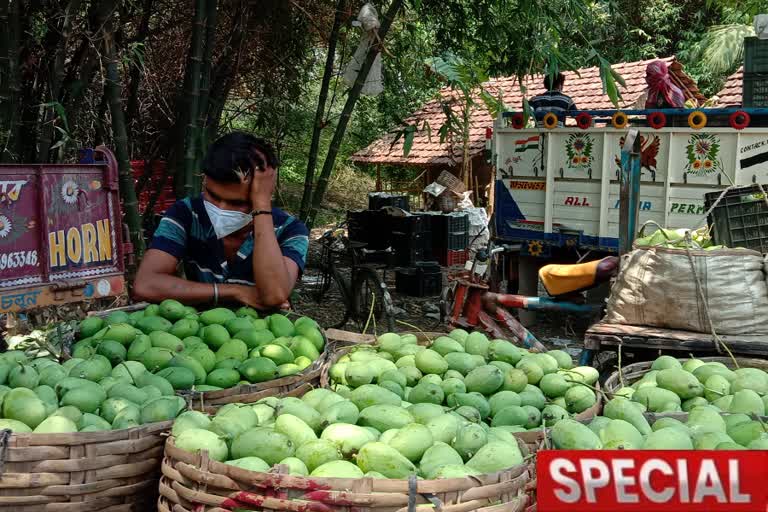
x=5, y=436
x=716, y=339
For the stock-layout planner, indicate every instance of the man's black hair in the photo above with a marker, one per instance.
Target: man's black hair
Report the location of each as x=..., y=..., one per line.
x=236, y=155
x=554, y=82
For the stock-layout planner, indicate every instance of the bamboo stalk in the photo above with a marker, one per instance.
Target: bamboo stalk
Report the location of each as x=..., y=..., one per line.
x=314, y=146
x=55, y=78
x=13, y=78
x=346, y=113
x=192, y=93
x=211, y=22
x=223, y=74
x=113, y=91
x=6, y=97
x=132, y=107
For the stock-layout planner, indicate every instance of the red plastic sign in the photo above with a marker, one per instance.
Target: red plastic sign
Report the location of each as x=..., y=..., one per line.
x=650, y=481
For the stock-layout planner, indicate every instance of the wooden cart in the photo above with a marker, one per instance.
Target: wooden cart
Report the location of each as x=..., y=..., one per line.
x=643, y=343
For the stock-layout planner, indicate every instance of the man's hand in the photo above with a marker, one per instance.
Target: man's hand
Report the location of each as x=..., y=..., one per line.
x=262, y=188
x=249, y=296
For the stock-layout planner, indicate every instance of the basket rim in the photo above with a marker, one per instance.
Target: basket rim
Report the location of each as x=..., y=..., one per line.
x=274, y=477
x=613, y=382
x=104, y=436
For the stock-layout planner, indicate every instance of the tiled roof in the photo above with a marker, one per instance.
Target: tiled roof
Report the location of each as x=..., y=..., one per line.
x=584, y=86
x=730, y=95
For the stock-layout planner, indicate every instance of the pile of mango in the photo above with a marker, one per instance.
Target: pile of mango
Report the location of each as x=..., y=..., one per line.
x=724, y=407
x=672, y=386
x=125, y=369
x=43, y=396
x=207, y=351
x=324, y=434
x=399, y=408
x=483, y=380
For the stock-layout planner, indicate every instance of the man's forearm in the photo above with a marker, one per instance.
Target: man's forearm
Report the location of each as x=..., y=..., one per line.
x=159, y=287
x=270, y=274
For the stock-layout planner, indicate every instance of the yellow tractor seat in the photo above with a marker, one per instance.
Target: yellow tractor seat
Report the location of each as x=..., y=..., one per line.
x=564, y=279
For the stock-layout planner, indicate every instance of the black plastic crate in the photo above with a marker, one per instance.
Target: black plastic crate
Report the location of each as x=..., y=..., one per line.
x=455, y=241
x=378, y=200
x=755, y=55
x=740, y=219
x=450, y=222
x=370, y=227
x=412, y=224
x=408, y=256
x=413, y=282
x=451, y=231
x=430, y=285
x=411, y=241
x=755, y=93
x=428, y=267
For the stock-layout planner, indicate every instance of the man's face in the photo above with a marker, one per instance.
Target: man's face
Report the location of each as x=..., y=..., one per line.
x=228, y=196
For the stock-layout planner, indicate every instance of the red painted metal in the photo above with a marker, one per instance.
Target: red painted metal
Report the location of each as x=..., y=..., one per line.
x=61, y=236
x=458, y=303
x=473, y=305
x=510, y=301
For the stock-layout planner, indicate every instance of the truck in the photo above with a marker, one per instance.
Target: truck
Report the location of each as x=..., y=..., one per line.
x=559, y=187
x=62, y=237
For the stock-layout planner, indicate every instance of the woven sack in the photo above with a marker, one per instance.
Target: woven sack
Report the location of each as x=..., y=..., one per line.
x=658, y=287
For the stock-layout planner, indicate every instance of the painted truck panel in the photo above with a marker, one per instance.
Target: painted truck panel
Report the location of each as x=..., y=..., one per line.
x=60, y=234
x=579, y=200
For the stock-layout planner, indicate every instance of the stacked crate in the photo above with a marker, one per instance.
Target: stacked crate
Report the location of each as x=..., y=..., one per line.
x=450, y=238
x=425, y=279
x=378, y=200
x=755, y=90
x=411, y=239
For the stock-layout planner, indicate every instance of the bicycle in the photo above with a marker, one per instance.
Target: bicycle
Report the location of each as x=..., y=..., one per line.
x=364, y=293
x=467, y=301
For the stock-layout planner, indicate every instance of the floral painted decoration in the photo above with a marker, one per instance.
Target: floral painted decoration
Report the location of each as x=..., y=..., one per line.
x=578, y=148
x=703, y=152
x=69, y=191
x=5, y=226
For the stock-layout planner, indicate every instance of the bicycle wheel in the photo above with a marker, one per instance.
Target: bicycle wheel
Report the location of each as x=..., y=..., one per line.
x=334, y=307
x=371, y=294
x=447, y=298
x=323, y=285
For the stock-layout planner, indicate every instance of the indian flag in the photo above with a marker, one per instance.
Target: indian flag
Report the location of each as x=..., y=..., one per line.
x=522, y=145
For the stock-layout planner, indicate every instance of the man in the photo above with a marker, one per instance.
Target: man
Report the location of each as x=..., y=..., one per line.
x=235, y=247
x=553, y=100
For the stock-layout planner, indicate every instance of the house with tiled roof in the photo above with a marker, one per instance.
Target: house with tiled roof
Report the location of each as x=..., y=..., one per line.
x=584, y=86
x=731, y=93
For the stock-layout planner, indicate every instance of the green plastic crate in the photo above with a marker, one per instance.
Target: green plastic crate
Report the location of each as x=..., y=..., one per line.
x=755, y=93
x=755, y=55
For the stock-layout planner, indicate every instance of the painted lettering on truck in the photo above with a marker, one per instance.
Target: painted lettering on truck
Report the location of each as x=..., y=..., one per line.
x=644, y=205
x=687, y=208
x=87, y=244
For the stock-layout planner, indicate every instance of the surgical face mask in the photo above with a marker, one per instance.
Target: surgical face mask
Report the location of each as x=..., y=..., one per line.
x=226, y=222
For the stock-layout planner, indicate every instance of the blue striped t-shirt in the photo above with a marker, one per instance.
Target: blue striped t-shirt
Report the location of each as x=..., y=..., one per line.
x=186, y=233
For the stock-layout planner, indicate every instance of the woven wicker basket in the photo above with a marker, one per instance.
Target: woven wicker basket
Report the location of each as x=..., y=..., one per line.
x=634, y=372
x=195, y=483
x=294, y=385
x=112, y=471
x=209, y=401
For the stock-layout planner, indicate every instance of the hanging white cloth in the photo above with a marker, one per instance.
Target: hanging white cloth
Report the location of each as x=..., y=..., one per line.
x=368, y=20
